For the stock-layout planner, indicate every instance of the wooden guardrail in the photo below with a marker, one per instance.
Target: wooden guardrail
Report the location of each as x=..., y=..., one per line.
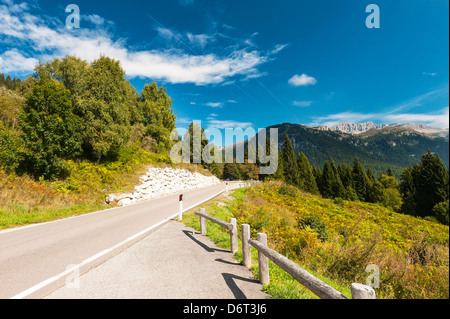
x=314, y=284
x=317, y=286
x=231, y=226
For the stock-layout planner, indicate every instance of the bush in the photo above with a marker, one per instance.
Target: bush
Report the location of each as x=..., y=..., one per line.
x=11, y=147
x=50, y=130
x=357, y=234
x=316, y=223
x=441, y=212
x=287, y=190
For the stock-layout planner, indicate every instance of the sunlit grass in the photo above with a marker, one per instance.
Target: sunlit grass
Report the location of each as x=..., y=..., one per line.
x=282, y=285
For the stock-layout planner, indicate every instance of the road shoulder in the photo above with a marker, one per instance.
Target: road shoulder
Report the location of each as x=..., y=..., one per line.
x=173, y=262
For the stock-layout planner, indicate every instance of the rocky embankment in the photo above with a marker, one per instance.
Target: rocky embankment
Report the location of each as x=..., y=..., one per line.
x=158, y=182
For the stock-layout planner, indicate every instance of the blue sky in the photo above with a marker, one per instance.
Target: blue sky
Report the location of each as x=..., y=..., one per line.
x=247, y=63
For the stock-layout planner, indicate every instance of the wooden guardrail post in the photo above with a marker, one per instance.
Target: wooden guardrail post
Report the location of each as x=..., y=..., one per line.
x=317, y=286
x=263, y=261
x=233, y=236
x=246, y=252
x=231, y=226
x=360, y=291
x=202, y=222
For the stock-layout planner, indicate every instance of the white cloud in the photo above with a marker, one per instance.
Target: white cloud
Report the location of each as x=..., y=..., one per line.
x=214, y=104
x=222, y=124
x=438, y=119
x=183, y=120
x=302, y=103
x=20, y=28
x=399, y=113
x=14, y=61
x=93, y=18
x=302, y=80
x=200, y=40
x=420, y=100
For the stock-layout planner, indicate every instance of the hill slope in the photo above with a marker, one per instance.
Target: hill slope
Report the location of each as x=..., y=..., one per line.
x=339, y=239
x=395, y=147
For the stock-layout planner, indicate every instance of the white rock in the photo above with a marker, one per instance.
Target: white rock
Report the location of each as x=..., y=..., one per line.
x=158, y=182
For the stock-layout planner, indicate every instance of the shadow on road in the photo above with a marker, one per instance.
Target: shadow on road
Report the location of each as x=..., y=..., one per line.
x=230, y=281
x=208, y=249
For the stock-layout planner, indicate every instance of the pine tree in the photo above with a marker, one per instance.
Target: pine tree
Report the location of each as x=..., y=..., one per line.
x=326, y=181
x=360, y=180
x=279, y=174
x=431, y=183
x=389, y=172
x=291, y=175
x=338, y=187
x=376, y=192
x=407, y=191
x=345, y=173
x=331, y=185
x=307, y=179
x=370, y=175
x=271, y=150
x=317, y=172
x=231, y=171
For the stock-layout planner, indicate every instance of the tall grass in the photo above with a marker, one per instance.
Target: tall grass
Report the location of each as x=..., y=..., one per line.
x=282, y=285
x=24, y=200
x=411, y=253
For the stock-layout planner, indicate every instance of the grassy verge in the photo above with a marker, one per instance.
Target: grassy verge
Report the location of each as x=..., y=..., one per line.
x=282, y=285
x=26, y=201
x=339, y=239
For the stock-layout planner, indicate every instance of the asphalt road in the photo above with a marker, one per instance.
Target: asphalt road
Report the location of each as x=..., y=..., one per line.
x=173, y=262
x=35, y=260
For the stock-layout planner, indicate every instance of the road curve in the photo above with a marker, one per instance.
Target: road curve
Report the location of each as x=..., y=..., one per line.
x=34, y=259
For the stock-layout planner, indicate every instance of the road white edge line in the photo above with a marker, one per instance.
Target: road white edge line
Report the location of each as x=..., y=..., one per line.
x=98, y=255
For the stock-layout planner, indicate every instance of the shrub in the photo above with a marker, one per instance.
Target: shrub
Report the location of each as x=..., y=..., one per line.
x=11, y=147
x=287, y=190
x=441, y=212
x=339, y=241
x=50, y=129
x=316, y=223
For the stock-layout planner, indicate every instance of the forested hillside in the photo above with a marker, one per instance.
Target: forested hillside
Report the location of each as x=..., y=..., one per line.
x=391, y=147
x=72, y=110
x=73, y=132
x=419, y=190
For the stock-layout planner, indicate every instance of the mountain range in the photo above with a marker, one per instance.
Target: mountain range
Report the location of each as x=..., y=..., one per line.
x=378, y=146
x=358, y=128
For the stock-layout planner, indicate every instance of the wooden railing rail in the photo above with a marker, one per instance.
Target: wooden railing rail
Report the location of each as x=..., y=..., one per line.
x=231, y=226
x=314, y=284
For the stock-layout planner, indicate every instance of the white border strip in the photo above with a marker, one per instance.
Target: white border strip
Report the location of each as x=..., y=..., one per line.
x=96, y=256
